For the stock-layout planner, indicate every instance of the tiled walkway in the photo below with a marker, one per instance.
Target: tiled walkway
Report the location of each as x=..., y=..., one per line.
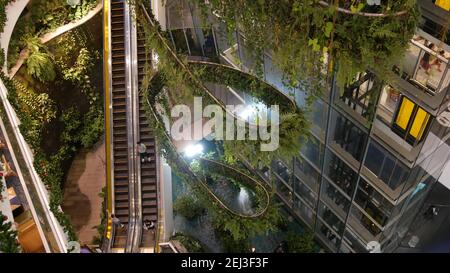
x=85, y=180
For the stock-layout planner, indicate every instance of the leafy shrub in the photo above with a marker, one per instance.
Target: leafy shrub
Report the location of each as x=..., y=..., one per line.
x=40, y=65
x=188, y=207
x=8, y=236
x=191, y=245
x=300, y=243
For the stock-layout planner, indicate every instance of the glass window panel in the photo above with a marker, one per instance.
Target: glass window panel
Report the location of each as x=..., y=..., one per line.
x=387, y=169
x=328, y=235
x=340, y=173
x=307, y=173
x=366, y=225
x=282, y=170
x=354, y=242
x=335, y=198
x=306, y=213
x=312, y=149
x=180, y=41
x=209, y=47
x=389, y=100
x=283, y=190
x=404, y=113
x=305, y=193
x=193, y=39
x=330, y=218
x=374, y=159
x=347, y=135
x=419, y=123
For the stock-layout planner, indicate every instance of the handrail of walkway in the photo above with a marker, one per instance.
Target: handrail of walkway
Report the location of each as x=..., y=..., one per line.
x=185, y=165
x=107, y=82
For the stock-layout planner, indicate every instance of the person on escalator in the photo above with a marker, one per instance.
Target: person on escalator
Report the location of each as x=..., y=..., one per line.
x=142, y=149
x=149, y=225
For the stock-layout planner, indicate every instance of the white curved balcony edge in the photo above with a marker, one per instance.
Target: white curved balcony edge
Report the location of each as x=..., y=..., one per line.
x=13, y=11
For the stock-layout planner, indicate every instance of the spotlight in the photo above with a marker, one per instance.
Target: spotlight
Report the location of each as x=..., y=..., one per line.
x=193, y=150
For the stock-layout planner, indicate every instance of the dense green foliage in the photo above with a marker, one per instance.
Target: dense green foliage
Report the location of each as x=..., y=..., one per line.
x=307, y=38
x=188, y=206
x=3, y=4
x=301, y=243
x=101, y=228
x=43, y=17
x=39, y=62
x=191, y=245
x=8, y=236
x=73, y=62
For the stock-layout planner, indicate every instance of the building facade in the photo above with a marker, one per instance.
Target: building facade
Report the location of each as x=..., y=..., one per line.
x=376, y=148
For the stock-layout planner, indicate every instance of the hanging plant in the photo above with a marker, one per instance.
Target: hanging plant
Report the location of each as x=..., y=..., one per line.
x=308, y=39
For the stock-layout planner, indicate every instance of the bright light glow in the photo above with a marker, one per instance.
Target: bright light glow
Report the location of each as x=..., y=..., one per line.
x=251, y=110
x=247, y=112
x=193, y=150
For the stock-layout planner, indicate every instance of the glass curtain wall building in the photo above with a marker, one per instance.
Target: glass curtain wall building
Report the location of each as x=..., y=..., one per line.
x=375, y=148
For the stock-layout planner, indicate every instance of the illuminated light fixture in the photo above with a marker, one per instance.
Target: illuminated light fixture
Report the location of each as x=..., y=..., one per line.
x=193, y=150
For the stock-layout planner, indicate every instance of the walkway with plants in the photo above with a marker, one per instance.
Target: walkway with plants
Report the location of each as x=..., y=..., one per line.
x=175, y=73
x=57, y=96
x=307, y=42
x=47, y=37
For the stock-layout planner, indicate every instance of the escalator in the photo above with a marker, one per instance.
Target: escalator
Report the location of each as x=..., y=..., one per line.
x=119, y=123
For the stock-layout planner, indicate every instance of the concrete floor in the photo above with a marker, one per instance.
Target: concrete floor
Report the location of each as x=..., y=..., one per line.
x=85, y=180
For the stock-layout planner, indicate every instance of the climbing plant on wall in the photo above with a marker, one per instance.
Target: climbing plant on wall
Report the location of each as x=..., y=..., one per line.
x=308, y=39
x=8, y=236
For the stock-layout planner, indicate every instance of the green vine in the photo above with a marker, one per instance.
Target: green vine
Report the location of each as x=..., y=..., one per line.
x=310, y=38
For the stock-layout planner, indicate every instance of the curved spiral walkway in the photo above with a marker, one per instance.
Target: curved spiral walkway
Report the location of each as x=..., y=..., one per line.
x=156, y=85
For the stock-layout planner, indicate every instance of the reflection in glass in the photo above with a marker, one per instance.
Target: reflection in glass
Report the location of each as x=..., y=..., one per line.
x=335, y=198
x=312, y=149
x=328, y=235
x=385, y=166
x=179, y=39
x=330, y=218
x=340, y=173
x=306, y=213
x=348, y=136
x=307, y=173
x=373, y=203
x=304, y=192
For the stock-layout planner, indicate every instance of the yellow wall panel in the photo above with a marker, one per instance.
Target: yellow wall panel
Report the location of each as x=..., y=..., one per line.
x=404, y=114
x=419, y=123
x=445, y=4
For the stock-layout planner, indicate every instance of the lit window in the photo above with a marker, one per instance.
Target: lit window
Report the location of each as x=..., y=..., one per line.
x=445, y=4
x=411, y=121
